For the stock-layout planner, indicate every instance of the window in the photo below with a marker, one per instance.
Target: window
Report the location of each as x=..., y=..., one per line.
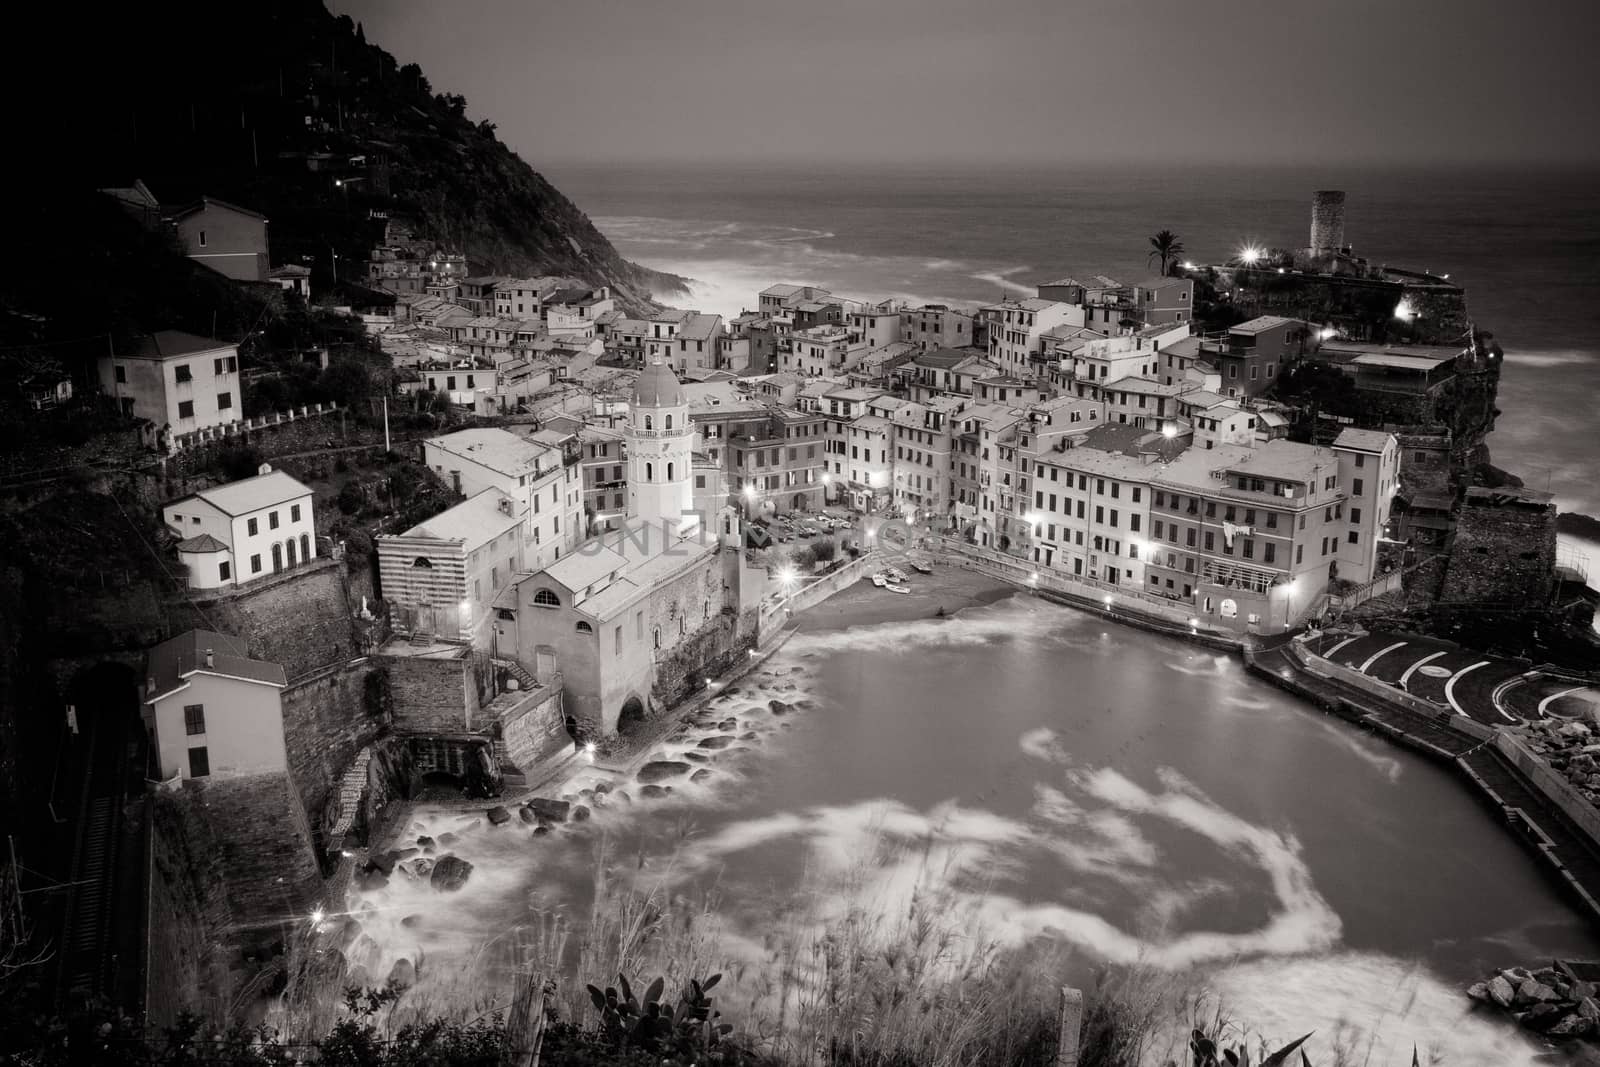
x=1355, y=514
x=545, y=598
x=217, y=365
x=255, y=564
x=617, y=638
x=294, y=512
x=424, y=562
x=194, y=719
x=122, y=374
x=181, y=373
x=648, y=423
x=1211, y=541
x=583, y=627
x=199, y=764
x=202, y=238
x=1269, y=552
x=1354, y=537
x=186, y=409
x=224, y=570
x=272, y=520
x=224, y=401
x=669, y=422
x=1355, y=487
x=658, y=636
x=1299, y=554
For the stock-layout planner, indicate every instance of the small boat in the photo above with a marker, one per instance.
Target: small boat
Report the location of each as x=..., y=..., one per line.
x=922, y=566
x=897, y=588
x=895, y=574
x=879, y=580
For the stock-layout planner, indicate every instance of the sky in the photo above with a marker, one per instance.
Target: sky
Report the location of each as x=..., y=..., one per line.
x=1014, y=81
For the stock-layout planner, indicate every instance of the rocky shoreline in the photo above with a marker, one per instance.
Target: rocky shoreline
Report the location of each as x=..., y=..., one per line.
x=1547, y=1001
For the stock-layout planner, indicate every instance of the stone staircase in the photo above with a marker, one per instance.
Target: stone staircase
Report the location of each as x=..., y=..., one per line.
x=525, y=682
x=421, y=639
x=351, y=786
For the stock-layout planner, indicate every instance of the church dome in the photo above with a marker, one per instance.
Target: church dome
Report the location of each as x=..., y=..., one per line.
x=657, y=387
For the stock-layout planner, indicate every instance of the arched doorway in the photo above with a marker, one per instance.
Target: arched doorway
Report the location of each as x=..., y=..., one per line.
x=277, y=557
x=631, y=715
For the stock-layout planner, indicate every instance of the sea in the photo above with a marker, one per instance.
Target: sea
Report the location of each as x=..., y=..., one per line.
x=1524, y=242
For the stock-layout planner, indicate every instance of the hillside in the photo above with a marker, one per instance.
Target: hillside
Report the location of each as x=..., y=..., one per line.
x=271, y=105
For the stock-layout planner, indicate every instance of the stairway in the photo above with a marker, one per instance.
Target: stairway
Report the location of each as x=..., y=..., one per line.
x=525, y=681
x=351, y=787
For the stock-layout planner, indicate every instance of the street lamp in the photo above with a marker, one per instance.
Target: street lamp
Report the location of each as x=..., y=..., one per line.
x=1288, y=596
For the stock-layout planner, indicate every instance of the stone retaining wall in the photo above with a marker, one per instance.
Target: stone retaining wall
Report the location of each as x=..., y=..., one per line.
x=326, y=722
x=432, y=695
x=1554, y=788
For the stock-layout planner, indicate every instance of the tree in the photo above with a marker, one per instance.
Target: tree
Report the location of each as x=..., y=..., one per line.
x=1167, y=247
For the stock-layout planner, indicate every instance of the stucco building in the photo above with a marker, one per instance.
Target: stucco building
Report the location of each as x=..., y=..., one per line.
x=179, y=381
x=235, y=533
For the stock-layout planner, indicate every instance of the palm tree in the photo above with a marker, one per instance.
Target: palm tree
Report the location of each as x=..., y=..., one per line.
x=1167, y=247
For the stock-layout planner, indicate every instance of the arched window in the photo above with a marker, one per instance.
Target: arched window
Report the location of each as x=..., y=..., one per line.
x=658, y=636
x=649, y=472
x=647, y=423
x=669, y=422
x=682, y=626
x=277, y=556
x=305, y=547
x=544, y=598
x=584, y=628
x=669, y=472
x=424, y=562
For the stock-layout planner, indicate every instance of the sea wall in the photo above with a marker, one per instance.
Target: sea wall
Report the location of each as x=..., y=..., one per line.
x=328, y=719
x=703, y=654
x=301, y=619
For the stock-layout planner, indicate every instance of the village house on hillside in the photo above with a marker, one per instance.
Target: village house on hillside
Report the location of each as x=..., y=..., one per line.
x=178, y=381
x=235, y=533
x=210, y=710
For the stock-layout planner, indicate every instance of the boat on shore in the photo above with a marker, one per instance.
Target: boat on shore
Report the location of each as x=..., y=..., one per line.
x=891, y=580
x=921, y=566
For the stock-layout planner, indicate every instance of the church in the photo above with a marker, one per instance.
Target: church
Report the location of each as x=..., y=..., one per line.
x=637, y=618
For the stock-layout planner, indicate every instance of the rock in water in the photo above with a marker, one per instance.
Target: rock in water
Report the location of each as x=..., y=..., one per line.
x=1571, y=1026
x=411, y=921
x=1541, y=1017
x=1479, y=991
x=699, y=776
x=661, y=770
x=653, y=791
x=425, y=843
x=449, y=874
x=719, y=741
x=403, y=975
x=602, y=788
x=1535, y=990
x=447, y=839
x=1501, y=992
x=541, y=830
x=778, y=707
x=369, y=878
x=580, y=814
x=554, y=810
x=527, y=815
x=697, y=757
x=499, y=816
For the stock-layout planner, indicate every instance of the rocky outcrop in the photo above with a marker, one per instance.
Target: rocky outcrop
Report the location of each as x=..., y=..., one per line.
x=1547, y=1001
x=450, y=874
x=661, y=770
x=1571, y=748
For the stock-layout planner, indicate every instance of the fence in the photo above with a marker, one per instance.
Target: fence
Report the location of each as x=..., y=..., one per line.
x=1383, y=691
x=218, y=434
x=1384, y=583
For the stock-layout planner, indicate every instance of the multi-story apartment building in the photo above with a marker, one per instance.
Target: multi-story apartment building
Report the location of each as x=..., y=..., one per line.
x=1369, y=471
x=1093, y=364
x=661, y=342
x=868, y=461
x=945, y=372
x=819, y=352
x=935, y=326
x=179, y=381
x=776, y=464
x=604, y=468
x=1252, y=354
x=545, y=485
x=874, y=326
x=922, y=457
x=1017, y=330
x=1090, y=515
x=696, y=336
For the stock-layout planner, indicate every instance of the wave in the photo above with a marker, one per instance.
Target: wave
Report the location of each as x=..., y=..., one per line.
x=1002, y=278
x=1015, y=617
x=1556, y=358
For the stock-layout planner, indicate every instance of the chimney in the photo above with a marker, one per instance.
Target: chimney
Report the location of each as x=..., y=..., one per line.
x=211, y=660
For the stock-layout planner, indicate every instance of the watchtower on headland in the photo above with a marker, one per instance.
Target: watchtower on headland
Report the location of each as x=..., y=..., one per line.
x=1327, y=222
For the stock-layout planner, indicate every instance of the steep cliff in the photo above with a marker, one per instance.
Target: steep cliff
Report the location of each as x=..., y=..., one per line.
x=286, y=109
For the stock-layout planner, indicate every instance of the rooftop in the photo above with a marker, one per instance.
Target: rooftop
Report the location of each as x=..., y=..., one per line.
x=1402, y=361
x=1362, y=440
x=781, y=290
x=168, y=344
x=1260, y=324
x=253, y=493
x=475, y=521
x=169, y=664
x=1090, y=459
x=499, y=450
x=698, y=327
x=1285, y=460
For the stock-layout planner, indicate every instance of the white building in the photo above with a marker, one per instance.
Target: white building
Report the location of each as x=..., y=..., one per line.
x=179, y=381
x=1017, y=331
x=548, y=491
x=442, y=575
x=1369, y=470
x=235, y=533
x=212, y=711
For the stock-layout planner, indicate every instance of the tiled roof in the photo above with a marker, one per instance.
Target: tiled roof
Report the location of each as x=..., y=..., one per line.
x=166, y=344
x=254, y=493
x=170, y=663
x=201, y=543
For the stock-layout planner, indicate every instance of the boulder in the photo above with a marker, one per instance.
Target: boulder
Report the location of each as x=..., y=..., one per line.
x=1534, y=991
x=1479, y=991
x=1571, y=1025
x=541, y=829
x=1589, y=1008
x=411, y=922
x=499, y=816
x=661, y=770
x=601, y=788
x=778, y=707
x=419, y=868
x=728, y=725
x=1541, y=1017
x=580, y=814
x=449, y=874
x=697, y=757
x=719, y=741
x=748, y=735
x=701, y=775
x=403, y=975
x=349, y=931
x=369, y=878
x=425, y=843
x=622, y=795
x=655, y=791
x=1516, y=975
x=527, y=815
x=553, y=810
x=447, y=839
x=1501, y=991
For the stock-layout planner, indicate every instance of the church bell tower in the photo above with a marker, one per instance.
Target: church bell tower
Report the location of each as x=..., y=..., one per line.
x=660, y=448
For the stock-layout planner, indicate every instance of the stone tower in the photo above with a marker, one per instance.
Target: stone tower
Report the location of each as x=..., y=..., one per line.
x=1327, y=222
x=660, y=448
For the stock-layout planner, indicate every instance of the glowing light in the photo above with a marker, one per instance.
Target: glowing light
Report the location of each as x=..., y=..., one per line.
x=827, y=479
x=1290, y=584
x=749, y=492
x=316, y=916
x=1108, y=600
x=1250, y=255
x=1193, y=621
x=1169, y=431
x=1189, y=265
x=1034, y=577
x=787, y=577
x=1405, y=309
x=466, y=608
x=338, y=182
x=588, y=749
x=1327, y=333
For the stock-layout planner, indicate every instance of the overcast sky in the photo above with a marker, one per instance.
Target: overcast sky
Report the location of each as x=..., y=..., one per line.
x=1254, y=81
